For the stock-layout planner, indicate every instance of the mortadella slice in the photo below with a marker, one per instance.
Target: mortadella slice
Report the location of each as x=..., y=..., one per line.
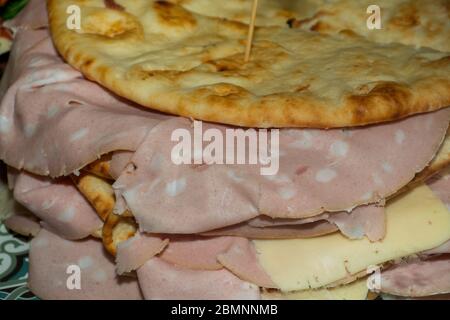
x=160, y=280
x=58, y=204
x=55, y=263
x=334, y=170
x=417, y=279
x=134, y=252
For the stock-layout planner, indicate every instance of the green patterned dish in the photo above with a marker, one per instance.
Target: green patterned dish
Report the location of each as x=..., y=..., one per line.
x=13, y=267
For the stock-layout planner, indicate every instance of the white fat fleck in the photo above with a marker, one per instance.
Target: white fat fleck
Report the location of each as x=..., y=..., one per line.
x=233, y=176
x=325, y=175
x=376, y=178
x=30, y=129
x=339, y=148
x=304, y=143
x=79, y=134
x=399, y=136
x=48, y=204
x=278, y=178
x=5, y=124
x=67, y=215
x=367, y=196
x=176, y=187
x=387, y=167
x=40, y=242
x=99, y=276
x=357, y=232
x=157, y=162
x=85, y=262
x=287, y=193
x=52, y=111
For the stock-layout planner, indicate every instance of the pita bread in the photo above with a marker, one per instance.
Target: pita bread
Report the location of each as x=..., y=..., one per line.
x=421, y=23
x=165, y=57
x=269, y=13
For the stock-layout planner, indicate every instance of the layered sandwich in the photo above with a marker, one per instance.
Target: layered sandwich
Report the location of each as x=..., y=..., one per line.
x=129, y=129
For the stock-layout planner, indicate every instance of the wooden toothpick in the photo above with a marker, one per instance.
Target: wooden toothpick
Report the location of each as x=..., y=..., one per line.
x=251, y=30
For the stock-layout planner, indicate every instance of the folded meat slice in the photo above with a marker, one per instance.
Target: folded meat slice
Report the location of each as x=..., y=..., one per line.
x=58, y=204
x=22, y=221
x=119, y=161
x=363, y=220
x=134, y=252
x=196, y=252
x=160, y=280
x=241, y=259
x=308, y=230
x=53, y=265
x=319, y=171
x=417, y=279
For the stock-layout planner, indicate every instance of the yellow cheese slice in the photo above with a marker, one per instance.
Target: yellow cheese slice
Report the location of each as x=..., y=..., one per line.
x=354, y=291
x=416, y=221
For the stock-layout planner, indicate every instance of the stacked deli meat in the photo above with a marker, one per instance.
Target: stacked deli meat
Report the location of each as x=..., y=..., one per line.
x=95, y=185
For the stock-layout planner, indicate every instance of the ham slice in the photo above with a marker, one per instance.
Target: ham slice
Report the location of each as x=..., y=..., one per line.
x=69, y=113
x=224, y=195
x=119, y=161
x=417, y=279
x=50, y=257
x=363, y=220
x=308, y=230
x=160, y=280
x=58, y=204
x=241, y=259
x=23, y=221
x=134, y=252
x=196, y=252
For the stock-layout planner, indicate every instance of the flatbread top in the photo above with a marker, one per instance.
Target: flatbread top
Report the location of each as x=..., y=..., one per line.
x=165, y=57
x=421, y=23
